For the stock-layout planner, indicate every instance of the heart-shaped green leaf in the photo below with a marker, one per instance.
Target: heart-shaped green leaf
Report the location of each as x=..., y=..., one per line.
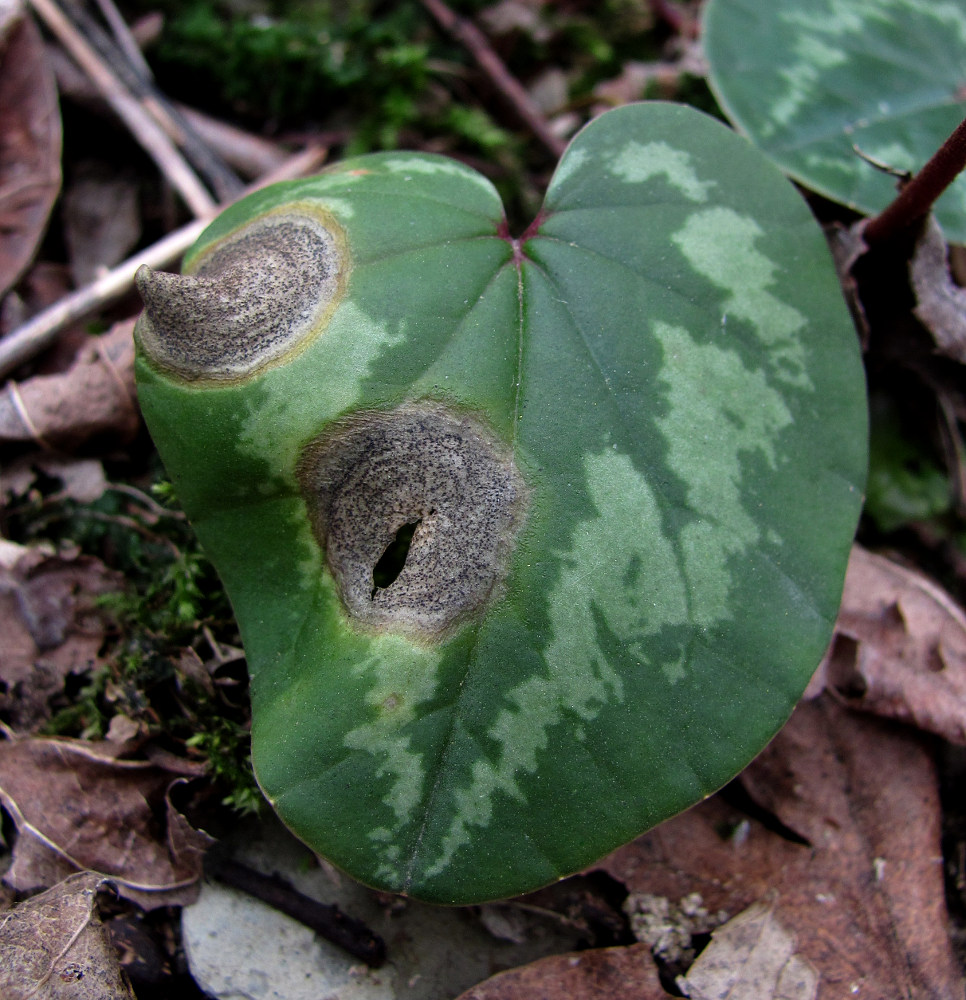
x=533, y=543
x=816, y=83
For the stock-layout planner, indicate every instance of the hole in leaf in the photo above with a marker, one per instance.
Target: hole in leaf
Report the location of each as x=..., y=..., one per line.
x=365, y=475
x=392, y=561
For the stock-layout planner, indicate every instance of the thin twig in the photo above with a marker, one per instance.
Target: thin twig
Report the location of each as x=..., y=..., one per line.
x=902, y=176
x=30, y=339
x=150, y=503
x=121, y=520
x=125, y=40
x=918, y=196
x=251, y=155
x=142, y=126
x=135, y=75
x=328, y=921
x=467, y=34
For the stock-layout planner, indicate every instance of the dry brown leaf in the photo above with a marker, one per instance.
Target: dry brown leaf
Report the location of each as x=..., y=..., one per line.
x=51, y=627
x=82, y=479
x=899, y=648
x=10, y=12
x=55, y=947
x=848, y=246
x=751, y=955
x=511, y=16
x=30, y=138
x=940, y=302
x=102, y=221
x=864, y=793
x=96, y=396
x=633, y=81
x=637, y=78
x=864, y=895
x=76, y=806
x=597, y=974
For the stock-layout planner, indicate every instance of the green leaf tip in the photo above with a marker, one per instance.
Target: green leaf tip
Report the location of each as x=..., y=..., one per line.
x=251, y=300
x=369, y=476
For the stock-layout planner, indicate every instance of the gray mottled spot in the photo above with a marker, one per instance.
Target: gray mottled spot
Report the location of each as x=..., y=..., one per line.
x=639, y=162
x=252, y=300
x=369, y=475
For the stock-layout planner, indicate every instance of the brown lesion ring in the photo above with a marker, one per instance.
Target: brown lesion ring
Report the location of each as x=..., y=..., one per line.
x=251, y=300
x=369, y=475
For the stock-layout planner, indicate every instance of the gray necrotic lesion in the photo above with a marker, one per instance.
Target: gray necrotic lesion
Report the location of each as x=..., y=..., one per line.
x=250, y=301
x=370, y=476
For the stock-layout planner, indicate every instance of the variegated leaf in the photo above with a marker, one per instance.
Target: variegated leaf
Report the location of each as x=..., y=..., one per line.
x=835, y=90
x=632, y=444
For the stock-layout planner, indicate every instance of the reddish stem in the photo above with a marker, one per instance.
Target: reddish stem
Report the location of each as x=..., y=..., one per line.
x=918, y=196
x=534, y=226
x=503, y=231
x=467, y=33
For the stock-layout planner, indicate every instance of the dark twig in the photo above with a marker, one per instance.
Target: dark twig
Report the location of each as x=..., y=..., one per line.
x=144, y=128
x=902, y=176
x=467, y=34
x=326, y=920
x=124, y=38
x=918, y=196
x=250, y=155
x=136, y=77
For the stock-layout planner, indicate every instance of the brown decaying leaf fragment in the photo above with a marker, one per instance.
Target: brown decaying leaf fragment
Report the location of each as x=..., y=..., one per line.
x=598, y=974
x=751, y=955
x=30, y=140
x=940, y=302
x=666, y=76
x=55, y=947
x=864, y=896
x=95, y=397
x=76, y=806
x=82, y=479
x=102, y=220
x=848, y=246
x=50, y=627
x=899, y=648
